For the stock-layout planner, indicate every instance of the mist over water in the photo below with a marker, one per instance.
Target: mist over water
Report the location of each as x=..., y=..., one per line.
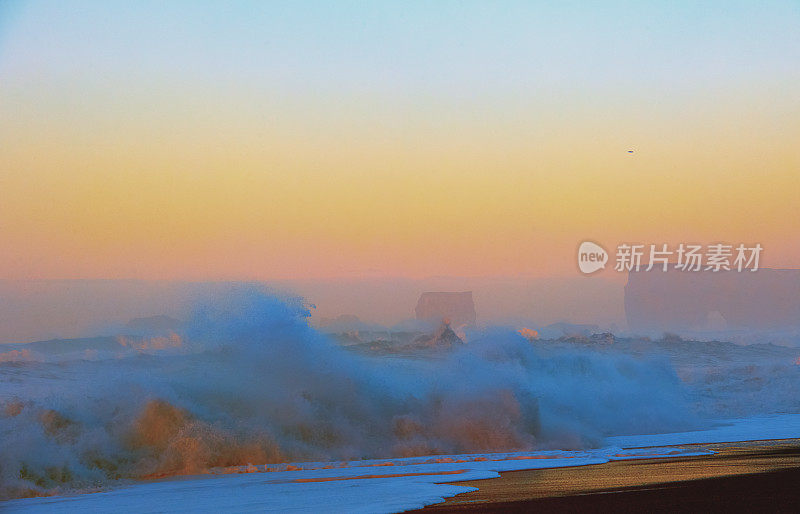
x=249, y=381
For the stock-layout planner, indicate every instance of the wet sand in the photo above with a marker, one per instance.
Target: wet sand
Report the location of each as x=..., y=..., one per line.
x=760, y=476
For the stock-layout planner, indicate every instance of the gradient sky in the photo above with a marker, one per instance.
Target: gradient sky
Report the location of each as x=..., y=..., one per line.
x=335, y=139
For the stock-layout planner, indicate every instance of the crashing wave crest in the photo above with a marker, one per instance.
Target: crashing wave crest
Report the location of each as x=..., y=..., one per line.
x=250, y=382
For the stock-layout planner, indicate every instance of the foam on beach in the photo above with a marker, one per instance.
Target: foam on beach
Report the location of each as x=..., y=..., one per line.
x=372, y=486
x=384, y=485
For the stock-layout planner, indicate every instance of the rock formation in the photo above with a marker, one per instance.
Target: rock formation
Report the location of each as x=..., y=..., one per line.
x=456, y=309
x=766, y=299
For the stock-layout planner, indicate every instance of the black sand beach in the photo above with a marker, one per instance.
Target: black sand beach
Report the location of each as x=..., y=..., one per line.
x=760, y=476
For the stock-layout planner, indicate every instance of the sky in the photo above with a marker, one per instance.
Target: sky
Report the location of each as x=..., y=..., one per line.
x=315, y=140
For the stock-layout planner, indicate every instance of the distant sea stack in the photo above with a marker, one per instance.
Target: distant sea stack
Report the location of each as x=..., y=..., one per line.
x=154, y=324
x=681, y=300
x=457, y=309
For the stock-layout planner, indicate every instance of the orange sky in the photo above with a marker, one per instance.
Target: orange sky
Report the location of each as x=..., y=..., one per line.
x=118, y=169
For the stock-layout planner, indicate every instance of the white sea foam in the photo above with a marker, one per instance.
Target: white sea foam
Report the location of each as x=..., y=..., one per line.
x=384, y=485
x=391, y=485
x=784, y=426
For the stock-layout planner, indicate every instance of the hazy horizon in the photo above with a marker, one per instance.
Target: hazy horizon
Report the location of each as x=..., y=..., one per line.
x=42, y=309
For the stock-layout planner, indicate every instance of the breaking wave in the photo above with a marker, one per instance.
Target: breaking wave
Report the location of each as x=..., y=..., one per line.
x=248, y=381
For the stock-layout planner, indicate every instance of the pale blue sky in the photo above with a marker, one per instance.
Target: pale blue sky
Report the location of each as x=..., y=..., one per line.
x=418, y=48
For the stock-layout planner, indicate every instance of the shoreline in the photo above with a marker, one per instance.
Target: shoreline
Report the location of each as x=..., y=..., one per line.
x=762, y=475
x=754, y=475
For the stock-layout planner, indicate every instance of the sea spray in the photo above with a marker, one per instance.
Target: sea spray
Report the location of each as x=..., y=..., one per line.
x=249, y=381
